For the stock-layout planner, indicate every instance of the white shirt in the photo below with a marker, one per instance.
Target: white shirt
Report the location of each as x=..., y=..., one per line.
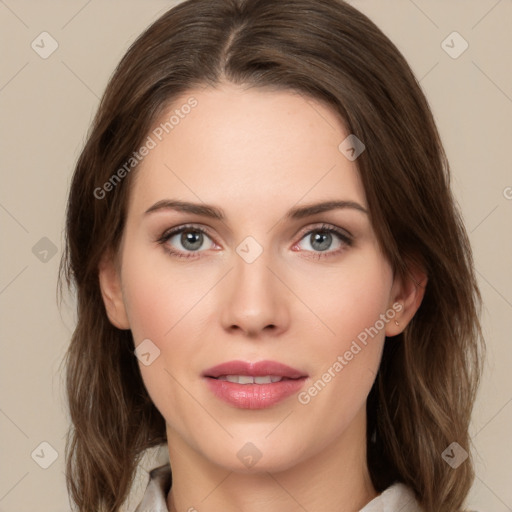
x=396, y=498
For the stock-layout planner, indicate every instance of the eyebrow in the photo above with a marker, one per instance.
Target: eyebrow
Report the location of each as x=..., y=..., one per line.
x=213, y=212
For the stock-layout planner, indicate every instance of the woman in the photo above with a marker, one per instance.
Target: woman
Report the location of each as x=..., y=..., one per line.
x=272, y=274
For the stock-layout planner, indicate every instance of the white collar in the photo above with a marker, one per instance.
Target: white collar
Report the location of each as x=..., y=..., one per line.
x=396, y=498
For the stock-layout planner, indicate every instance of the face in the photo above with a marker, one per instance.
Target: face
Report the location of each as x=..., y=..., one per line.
x=242, y=271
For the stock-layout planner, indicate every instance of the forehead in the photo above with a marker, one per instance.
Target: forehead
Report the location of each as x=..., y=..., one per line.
x=243, y=148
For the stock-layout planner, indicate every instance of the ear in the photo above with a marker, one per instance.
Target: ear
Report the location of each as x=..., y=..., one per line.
x=406, y=297
x=111, y=291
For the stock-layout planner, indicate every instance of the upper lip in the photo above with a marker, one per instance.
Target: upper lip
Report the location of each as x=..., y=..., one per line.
x=256, y=369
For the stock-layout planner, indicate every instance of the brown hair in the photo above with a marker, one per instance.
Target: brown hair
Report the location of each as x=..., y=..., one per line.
x=424, y=392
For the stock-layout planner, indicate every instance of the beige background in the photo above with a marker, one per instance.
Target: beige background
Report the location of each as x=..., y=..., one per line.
x=47, y=105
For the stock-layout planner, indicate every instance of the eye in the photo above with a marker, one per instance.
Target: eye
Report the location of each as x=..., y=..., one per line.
x=185, y=239
x=190, y=241
x=325, y=239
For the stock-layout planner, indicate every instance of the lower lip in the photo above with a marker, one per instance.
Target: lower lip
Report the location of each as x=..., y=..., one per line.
x=254, y=396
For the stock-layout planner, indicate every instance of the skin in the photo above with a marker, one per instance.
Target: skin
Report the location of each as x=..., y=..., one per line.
x=256, y=154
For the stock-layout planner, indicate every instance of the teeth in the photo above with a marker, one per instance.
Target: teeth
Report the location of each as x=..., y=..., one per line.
x=264, y=379
x=248, y=379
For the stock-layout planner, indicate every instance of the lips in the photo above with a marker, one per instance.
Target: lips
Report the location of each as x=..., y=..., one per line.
x=254, y=385
x=257, y=369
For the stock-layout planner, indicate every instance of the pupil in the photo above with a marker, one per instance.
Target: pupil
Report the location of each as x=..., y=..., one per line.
x=324, y=239
x=191, y=240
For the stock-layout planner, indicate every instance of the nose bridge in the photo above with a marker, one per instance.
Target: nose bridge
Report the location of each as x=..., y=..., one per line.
x=252, y=284
x=252, y=277
x=255, y=299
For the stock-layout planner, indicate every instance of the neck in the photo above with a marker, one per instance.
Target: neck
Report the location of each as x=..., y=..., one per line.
x=336, y=478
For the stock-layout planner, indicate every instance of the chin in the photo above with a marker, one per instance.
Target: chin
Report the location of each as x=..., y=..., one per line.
x=258, y=454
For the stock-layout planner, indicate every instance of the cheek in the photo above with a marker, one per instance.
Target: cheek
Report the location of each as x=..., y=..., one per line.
x=169, y=308
x=146, y=309
x=347, y=353
x=156, y=299
x=349, y=299
x=159, y=306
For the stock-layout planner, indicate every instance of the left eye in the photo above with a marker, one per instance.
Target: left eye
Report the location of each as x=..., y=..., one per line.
x=322, y=239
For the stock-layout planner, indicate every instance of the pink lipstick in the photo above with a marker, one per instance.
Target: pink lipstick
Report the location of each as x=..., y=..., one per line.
x=253, y=385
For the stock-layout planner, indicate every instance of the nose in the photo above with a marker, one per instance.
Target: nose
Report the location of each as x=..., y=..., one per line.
x=254, y=300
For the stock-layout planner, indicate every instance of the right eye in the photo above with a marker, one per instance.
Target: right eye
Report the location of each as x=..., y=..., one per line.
x=190, y=238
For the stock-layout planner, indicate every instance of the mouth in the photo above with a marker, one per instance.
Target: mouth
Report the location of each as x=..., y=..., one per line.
x=250, y=379
x=258, y=385
x=260, y=372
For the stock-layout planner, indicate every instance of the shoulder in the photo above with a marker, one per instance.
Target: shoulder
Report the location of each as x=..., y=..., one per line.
x=396, y=498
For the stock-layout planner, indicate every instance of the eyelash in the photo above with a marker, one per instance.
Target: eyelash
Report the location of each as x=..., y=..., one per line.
x=325, y=228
